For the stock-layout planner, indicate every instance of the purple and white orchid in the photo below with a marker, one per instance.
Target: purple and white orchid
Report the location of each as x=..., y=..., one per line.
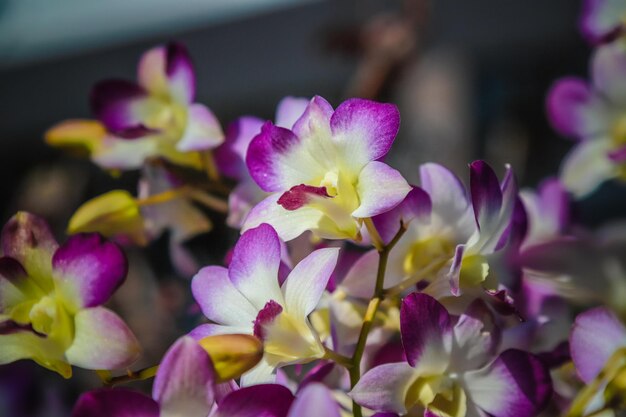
x=154, y=117
x=452, y=368
x=592, y=113
x=602, y=20
x=51, y=299
x=324, y=174
x=248, y=298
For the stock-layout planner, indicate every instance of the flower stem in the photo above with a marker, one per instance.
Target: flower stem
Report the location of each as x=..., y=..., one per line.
x=209, y=165
x=195, y=194
x=130, y=376
x=372, y=309
x=342, y=360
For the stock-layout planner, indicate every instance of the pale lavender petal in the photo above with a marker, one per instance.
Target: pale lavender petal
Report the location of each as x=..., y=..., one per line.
x=416, y=205
x=360, y=280
x=219, y=300
x=265, y=400
x=241, y=200
x=314, y=124
x=476, y=337
x=608, y=66
x=203, y=130
x=88, y=269
x=447, y=193
x=115, y=403
x=595, y=336
x=230, y=157
x=254, y=267
x=102, y=341
x=454, y=274
x=211, y=329
x=307, y=281
x=516, y=384
x=313, y=401
x=380, y=188
x=426, y=328
x=587, y=166
x=384, y=388
x=289, y=110
x=364, y=130
x=168, y=71
x=555, y=202
x=602, y=20
x=575, y=110
x=183, y=385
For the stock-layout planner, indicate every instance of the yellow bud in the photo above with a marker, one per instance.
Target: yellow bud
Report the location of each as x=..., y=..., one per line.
x=111, y=214
x=82, y=135
x=232, y=354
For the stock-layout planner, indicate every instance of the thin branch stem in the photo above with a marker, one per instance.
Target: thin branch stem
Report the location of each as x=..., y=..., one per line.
x=210, y=166
x=372, y=309
x=377, y=241
x=131, y=376
x=199, y=196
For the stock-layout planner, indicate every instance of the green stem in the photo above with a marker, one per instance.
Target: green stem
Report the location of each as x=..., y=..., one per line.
x=370, y=314
x=140, y=375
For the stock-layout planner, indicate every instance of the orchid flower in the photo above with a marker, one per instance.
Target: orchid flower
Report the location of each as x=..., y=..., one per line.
x=603, y=20
x=155, y=117
x=324, y=174
x=51, y=299
x=449, y=240
x=247, y=298
x=452, y=370
x=592, y=113
x=231, y=156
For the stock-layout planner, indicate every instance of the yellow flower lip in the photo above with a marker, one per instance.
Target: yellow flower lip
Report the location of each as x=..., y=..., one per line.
x=232, y=354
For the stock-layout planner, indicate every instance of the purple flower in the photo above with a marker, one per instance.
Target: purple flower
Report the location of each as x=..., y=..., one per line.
x=592, y=114
x=247, y=298
x=155, y=117
x=51, y=299
x=324, y=173
x=452, y=368
x=602, y=20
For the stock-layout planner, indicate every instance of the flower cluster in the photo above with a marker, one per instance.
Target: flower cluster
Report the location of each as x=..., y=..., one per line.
x=349, y=291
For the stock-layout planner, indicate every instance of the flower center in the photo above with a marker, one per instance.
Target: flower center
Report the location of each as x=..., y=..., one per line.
x=423, y=252
x=441, y=394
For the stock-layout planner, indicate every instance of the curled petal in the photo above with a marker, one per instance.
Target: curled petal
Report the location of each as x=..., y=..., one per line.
x=203, y=130
x=184, y=382
x=416, y=205
x=232, y=354
x=231, y=155
x=380, y=188
x=102, y=341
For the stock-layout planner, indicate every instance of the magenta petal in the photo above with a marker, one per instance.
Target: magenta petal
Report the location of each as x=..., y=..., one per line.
x=367, y=127
x=264, y=400
x=180, y=73
x=184, y=383
x=602, y=20
x=486, y=193
x=112, y=103
x=314, y=400
x=416, y=205
x=595, y=336
x=115, y=403
x=89, y=269
x=261, y=158
x=425, y=326
x=516, y=384
x=231, y=156
x=574, y=109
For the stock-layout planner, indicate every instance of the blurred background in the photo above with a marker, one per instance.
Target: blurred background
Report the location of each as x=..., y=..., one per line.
x=470, y=79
